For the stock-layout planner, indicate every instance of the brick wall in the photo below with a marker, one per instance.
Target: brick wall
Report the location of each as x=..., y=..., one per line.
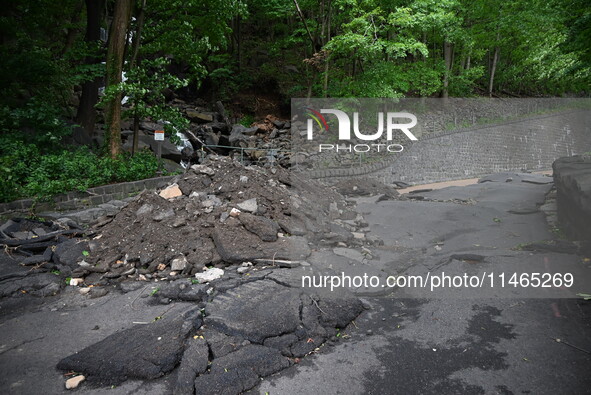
x=81, y=200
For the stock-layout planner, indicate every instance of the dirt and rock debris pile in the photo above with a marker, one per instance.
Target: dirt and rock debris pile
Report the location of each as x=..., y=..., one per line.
x=218, y=217
x=226, y=242
x=215, y=215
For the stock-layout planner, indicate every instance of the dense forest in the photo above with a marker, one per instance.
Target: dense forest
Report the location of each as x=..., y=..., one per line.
x=67, y=65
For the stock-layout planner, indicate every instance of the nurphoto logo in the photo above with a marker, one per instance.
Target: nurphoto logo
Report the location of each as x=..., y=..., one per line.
x=394, y=121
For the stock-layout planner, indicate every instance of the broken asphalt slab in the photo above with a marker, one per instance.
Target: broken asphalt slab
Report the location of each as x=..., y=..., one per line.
x=260, y=324
x=421, y=345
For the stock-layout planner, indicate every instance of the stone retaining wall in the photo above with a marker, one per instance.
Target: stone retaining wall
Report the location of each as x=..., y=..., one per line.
x=81, y=200
x=572, y=177
x=521, y=145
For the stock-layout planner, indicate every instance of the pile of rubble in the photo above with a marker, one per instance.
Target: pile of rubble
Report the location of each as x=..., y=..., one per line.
x=212, y=132
x=217, y=217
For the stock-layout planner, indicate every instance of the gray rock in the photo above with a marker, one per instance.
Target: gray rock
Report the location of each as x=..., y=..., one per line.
x=264, y=228
x=98, y=292
x=241, y=134
x=292, y=226
x=129, y=286
x=249, y=205
x=23, y=235
x=163, y=215
x=183, y=289
x=69, y=253
x=202, y=169
x=179, y=221
x=242, y=270
x=237, y=245
x=179, y=264
x=151, y=126
x=198, y=116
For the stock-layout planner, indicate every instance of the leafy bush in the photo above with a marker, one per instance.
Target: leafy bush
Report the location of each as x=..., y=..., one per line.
x=38, y=122
x=463, y=84
x=26, y=173
x=247, y=120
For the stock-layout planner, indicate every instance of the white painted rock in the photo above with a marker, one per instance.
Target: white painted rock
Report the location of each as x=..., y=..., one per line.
x=74, y=382
x=76, y=281
x=209, y=275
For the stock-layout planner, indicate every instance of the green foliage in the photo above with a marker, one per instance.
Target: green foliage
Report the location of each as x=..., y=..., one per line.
x=463, y=84
x=37, y=121
x=145, y=87
x=386, y=79
x=247, y=120
x=188, y=30
x=26, y=173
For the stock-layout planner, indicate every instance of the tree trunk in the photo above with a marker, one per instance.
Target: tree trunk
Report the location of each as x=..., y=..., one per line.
x=447, y=54
x=86, y=113
x=115, y=52
x=239, y=41
x=136, y=133
x=72, y=32
x=135, y=47
x=327, y=60
x=301, y=15
x=493, y=68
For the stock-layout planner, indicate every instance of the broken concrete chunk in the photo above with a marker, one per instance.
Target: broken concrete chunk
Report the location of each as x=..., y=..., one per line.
x=209, y=275
x=74, y=382
x=179, y=264
x=163, y=215
x=249, y=205
x=171, y=192
x=264, y=228
x=202, y=169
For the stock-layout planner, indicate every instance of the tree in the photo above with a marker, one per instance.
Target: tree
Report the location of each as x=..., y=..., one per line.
x=144, y=87
x=86, y=115
x=114, y=65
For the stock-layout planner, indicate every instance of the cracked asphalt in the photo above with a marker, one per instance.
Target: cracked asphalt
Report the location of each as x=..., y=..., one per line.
x=491, y=341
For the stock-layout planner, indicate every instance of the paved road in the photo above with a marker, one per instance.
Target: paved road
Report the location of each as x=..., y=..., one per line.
x=493, y=342
x=407, y=341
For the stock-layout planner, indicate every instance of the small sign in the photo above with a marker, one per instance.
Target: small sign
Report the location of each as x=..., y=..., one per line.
x=159, y=135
